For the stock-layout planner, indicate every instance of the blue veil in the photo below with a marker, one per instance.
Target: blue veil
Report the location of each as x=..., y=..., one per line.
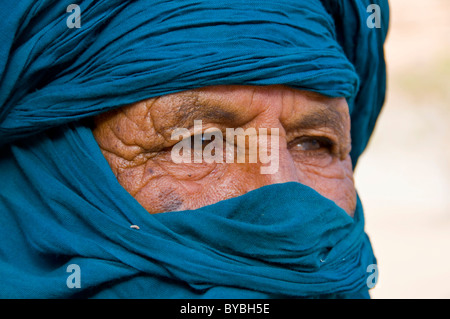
x=61, y=205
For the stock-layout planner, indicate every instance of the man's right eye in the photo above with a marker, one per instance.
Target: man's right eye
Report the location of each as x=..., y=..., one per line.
x=199, y=139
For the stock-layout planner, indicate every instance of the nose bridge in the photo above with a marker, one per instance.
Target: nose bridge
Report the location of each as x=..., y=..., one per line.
x=282, y=168
x=275, y=161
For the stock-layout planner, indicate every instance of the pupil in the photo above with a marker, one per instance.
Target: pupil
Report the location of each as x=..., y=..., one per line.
x=197, y=138
x=309, y=145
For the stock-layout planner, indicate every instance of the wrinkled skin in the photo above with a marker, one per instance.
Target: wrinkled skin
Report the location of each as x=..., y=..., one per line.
x=314, y=145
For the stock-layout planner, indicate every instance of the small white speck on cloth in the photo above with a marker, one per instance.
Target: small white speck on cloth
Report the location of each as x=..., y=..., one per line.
x=134, y=226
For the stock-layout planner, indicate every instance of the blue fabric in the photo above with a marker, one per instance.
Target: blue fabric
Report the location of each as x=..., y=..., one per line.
x=60, y=204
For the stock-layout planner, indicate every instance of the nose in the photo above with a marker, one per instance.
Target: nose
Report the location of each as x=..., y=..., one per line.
x=276, y=164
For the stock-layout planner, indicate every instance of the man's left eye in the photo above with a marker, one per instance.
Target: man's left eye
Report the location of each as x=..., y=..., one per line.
x=310, y=143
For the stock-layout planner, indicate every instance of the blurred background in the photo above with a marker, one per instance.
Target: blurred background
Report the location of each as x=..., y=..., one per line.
x=403, y=178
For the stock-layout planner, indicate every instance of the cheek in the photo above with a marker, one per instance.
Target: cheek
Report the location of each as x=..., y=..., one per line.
x=160, y=185
x=190, y=186
x=334, y=181
x=167, y=197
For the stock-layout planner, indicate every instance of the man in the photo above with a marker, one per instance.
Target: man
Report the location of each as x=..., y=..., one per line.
x=194, y=149
x=314, y=145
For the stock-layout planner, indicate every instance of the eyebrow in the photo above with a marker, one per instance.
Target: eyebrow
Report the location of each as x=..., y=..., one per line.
x=193, y=110
x=322, y=117
x=207, y=112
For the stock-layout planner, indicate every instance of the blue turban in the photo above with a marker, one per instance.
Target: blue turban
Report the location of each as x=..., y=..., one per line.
x=60, y=204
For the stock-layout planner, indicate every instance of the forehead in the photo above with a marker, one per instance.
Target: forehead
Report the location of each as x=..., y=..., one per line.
x=237, y=105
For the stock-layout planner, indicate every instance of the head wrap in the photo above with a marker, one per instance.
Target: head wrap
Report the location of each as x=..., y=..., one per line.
x=61, y=204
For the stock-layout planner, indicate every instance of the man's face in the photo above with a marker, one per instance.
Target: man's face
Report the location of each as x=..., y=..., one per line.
x=313, y=145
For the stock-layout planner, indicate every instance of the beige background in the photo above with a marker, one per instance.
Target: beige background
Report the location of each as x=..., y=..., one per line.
x=403, y=178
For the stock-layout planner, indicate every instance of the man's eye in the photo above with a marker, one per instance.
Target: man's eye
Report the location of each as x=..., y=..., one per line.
x=200, y=139
x=310, y=143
